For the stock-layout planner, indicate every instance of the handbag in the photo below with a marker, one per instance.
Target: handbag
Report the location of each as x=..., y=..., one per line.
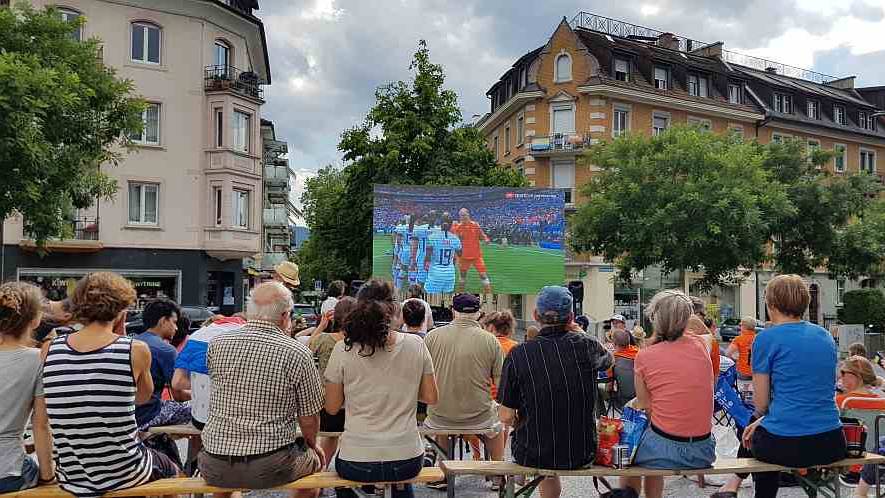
x=613, y=493
x=635, y=423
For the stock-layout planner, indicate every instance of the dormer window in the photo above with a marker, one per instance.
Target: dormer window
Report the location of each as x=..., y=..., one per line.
x=813, y=109
x=662, y=78
x=783, y=103
x=622, y=69
x=839, y=115
x=735, y=93
x=866, y=121
x=697, y=85
x=563, y=68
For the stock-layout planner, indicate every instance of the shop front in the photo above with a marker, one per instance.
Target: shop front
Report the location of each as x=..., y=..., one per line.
x=58, y=284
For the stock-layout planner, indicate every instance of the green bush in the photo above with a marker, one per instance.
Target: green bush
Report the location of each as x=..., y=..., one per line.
x=863, y=306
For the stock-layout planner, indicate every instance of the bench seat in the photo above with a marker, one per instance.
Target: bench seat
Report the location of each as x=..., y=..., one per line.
x=196, y=485
x=721, y=466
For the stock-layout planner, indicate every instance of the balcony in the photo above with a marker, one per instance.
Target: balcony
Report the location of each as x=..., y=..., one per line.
x=231, y=79
x=276, y=218
x=270, y=259
x=559, y=144
x=82, y=237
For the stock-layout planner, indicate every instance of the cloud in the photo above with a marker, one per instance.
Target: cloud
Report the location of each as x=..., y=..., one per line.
x=329, y=56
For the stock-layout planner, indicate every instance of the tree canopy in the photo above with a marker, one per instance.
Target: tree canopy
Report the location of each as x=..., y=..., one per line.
x=688, y=199
x=413, y=135
x=63, y=113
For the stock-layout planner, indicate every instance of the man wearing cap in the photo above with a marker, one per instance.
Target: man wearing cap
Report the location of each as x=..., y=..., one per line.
x=552, y=414
x=468, y=361
x=286, y=273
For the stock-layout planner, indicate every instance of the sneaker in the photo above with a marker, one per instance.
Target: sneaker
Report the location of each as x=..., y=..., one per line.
x=849, y=479
x=438, y=485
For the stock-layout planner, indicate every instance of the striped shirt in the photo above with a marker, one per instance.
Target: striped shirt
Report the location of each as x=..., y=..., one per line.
x=262, y=381
x=90, y=399
x=551, y=382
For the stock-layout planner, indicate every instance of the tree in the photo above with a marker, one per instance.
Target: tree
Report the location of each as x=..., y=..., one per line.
x=865, y=307
x=62, y=115
x=413, y=136
x=318, y=257
x=692, y=200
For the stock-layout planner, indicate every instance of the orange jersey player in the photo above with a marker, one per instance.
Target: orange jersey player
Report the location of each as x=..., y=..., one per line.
x=470, y=233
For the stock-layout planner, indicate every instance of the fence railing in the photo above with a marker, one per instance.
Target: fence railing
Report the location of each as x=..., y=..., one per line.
x=85, y=228
x=223, y=77
x=559, y=142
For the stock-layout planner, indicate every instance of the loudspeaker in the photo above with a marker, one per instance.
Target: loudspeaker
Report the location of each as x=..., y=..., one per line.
x=576, y=287
x=355, y=287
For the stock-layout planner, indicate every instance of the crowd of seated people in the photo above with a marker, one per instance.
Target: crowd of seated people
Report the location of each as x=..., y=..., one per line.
x=261, y=397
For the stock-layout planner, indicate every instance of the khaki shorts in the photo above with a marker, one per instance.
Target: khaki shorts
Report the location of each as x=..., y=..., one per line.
x=491, y=429
x=267, y=471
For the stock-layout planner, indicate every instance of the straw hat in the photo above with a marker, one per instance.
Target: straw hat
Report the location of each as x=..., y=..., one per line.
x=287, y=271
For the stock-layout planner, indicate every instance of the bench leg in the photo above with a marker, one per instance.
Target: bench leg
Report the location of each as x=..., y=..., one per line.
x=878, y=486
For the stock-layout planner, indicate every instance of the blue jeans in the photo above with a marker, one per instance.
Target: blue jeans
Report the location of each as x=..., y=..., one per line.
x=28, y=478
x=399, y=470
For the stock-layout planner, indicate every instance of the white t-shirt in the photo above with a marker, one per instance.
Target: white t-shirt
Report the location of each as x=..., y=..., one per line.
x=380, y=399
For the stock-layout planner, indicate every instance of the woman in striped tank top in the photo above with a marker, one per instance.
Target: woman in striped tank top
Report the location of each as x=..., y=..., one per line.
x=92, y=380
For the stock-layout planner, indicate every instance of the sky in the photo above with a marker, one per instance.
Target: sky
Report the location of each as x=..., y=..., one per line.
x=327, y=57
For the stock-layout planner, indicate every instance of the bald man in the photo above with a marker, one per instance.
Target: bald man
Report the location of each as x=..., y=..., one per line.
x=470, y=233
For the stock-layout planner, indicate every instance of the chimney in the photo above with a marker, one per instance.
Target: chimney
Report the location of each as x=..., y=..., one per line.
x=846, y=83
x=711, y=50
x=668, y=40
x=771, y=69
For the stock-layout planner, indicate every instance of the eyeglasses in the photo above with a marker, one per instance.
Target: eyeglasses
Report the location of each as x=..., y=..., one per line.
x=844, y=372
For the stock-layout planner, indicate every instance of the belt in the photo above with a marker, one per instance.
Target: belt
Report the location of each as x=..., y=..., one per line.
x=249, y=458
x=680, y=439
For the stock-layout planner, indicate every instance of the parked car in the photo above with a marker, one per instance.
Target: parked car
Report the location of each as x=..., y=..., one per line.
x=306, y=311
x=729, y=329
x=196, y=314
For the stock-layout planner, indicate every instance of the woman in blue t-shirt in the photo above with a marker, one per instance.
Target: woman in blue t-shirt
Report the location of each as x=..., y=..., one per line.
x=794, y=380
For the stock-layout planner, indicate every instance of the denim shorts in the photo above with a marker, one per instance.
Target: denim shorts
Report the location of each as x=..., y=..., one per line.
x=657, y=452
x=27, y=479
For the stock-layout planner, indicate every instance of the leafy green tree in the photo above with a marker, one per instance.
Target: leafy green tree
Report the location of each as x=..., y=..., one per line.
x=318, y=257
x=413, y=136
x=710, y=203
x=863, y=306
x=62, y=115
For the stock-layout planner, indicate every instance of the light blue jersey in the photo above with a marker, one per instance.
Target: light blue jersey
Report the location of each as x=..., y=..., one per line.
x=400, y=234
x=443, y=248
x=421, y=233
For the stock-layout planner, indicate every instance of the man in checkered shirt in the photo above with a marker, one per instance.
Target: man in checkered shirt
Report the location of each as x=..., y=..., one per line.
x=263, y=382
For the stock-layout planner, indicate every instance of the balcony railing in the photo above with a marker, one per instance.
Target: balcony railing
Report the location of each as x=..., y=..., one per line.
x=276, y=175
x=80, y=229
x=276, y=217
x=559, y=142
x=221, y=78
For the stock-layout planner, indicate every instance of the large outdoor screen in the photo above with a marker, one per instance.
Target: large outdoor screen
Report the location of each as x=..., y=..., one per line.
x=480, y=239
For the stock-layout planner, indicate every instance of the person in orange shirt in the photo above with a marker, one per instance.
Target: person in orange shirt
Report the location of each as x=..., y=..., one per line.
x=741, y=347
x=470, y=232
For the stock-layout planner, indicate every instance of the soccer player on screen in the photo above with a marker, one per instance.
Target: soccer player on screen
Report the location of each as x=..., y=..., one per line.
x=420, y=234
x=470, y=232
x=439, y=260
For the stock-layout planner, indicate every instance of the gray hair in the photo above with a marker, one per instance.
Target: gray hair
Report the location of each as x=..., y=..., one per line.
x=698, y=306
x=669, y=311
x=270, y=301
x=748, y=322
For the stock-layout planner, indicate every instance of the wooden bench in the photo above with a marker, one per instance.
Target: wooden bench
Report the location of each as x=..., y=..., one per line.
x=824, y=483
x=196, y=485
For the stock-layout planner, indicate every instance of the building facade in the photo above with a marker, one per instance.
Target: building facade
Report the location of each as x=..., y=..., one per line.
x=597, y=78
x=190, y=201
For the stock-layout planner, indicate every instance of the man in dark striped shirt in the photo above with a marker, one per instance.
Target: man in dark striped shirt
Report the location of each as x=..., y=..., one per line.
x=548, y=391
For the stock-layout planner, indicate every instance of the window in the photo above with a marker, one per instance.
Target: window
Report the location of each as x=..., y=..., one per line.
x=868, y=161
x=783, y=103
x=143, y=203
x=563, y=118
x=736, y=131
x=520, y=130
x=812, y=147
x=219, y=126
x=242, y=131
x=779, y=138
x=662, y=78
x=495, y=147
x=659, y=123
x=735, y=94
x=145, y=43
x=621, y=121
x=522, y=77
x=241, y=208
x=813, y=109
x=622, y=69
x=217, y=205
x=839, y=159
x=866, y=121
x=840, y=290
x=697, y=85
x=704, y=124
x=563, y=68
x=222, y=53
x=564, y=178
x=150, y=133
x=839, y=114
x=68, y=15
x=507, y=140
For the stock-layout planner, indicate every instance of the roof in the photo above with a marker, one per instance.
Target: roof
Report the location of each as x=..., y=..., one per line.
x=805, y=86
x=525, y=59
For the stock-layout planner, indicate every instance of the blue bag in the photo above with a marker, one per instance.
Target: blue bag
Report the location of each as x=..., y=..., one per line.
x=729, y=400
x=635, y=422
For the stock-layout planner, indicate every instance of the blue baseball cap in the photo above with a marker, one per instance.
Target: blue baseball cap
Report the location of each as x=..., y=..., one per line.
x=554, y=301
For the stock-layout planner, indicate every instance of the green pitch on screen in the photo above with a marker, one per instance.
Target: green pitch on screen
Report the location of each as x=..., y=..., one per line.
x=512, y=269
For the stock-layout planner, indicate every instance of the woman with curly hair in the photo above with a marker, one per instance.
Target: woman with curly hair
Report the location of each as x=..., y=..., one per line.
x=378, y=375
x=92, y=380
x=21, y=392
